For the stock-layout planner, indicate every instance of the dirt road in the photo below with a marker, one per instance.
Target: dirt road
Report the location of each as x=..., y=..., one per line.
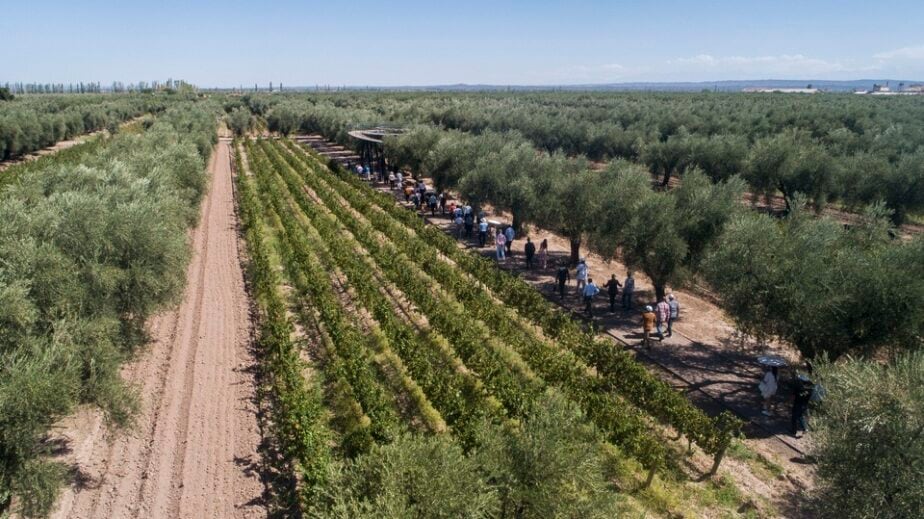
x=193, y=451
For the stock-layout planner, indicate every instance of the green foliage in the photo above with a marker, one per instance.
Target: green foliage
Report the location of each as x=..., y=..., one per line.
x=282, y=120
x=551, y=466
x=669, y=157
x=791, y=163
x=619, y=371
x=652, y=242
x=298, y=411
x=31, y=123
x=868, y=439
x=240, y=121
x=818, y=286
x=6, y=95
x=91, y=243
x=413, y=477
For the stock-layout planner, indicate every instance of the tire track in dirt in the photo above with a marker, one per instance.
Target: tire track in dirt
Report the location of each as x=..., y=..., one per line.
x=194, y=449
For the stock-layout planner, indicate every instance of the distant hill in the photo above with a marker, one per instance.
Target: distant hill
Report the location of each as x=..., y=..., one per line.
x=720, y=86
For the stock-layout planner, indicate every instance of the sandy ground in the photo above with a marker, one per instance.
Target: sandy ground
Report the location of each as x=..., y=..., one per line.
x=194, y=449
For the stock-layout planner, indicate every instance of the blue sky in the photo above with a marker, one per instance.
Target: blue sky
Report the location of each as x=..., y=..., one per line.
x=386, y=42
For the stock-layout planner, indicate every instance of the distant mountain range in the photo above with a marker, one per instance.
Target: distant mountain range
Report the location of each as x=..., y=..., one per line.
x=691, y=86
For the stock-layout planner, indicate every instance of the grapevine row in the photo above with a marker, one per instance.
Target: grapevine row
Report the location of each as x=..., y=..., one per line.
x=459, y=397
x=622, y=372
x=514, y=388
x=298, y=420
x=625, y=424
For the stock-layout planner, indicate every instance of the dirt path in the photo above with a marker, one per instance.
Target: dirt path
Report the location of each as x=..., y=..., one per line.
x=194, y=449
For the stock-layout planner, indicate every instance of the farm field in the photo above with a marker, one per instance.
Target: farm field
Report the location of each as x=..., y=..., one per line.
x=480, y=260
x=220, y=327
x=511, y=355
x=32, y=123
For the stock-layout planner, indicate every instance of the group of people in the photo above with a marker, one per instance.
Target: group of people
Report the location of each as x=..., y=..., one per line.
x=660, y=319
x=503, y=241
x=804, y=391
x=656, y=320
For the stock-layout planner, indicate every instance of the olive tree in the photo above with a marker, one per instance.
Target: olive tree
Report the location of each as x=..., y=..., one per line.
x=669, y=157
x=791, y=164
x=240, y=120
x=506, y=178
x=621, y=188
x=652, y=242
x=455, y=154
x=822, y=288
x=570, y=197
x=702, y=210
x=411, y=148
x=869, y=439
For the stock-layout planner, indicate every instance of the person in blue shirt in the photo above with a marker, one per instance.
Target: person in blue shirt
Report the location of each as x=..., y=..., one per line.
x=482, y=232
x=590, y=290
x=510, y=234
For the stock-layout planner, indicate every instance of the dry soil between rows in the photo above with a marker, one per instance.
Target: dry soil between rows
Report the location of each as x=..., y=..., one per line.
x=194, y=449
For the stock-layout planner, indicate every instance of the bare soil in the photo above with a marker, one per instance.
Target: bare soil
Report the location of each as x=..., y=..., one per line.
x=193, y=451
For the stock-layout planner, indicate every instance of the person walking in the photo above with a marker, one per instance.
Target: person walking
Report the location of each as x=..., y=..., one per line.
x=590, y=290
x=664, y=316
x=612, y=289
x=391, y=180
x=628, y=288
x=530, y=250
x=469, y=224
x=768, y=387
x=500, y=241
x=544, y=253
x=802, y=395
x=459, y=226
x=400, y=178
x=580, y=274
x=674, y=313
x=510, y=234
x=441, y=200
x=563, y=277
x=432, y=201
x=482, y=232
x=648, y=323
x=408, y=190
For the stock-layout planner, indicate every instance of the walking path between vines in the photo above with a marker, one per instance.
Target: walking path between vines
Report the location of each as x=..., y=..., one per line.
x=193, y=451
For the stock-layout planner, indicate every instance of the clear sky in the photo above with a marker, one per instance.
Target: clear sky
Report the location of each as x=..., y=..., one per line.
x=385, y=42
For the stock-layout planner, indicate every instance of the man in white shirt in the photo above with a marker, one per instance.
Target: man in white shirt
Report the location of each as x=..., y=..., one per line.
x=581, y=274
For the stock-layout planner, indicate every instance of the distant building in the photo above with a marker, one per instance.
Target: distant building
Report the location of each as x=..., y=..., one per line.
x=771, y=90
x=884, y=90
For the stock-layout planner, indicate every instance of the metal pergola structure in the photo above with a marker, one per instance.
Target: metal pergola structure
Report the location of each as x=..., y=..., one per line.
x=371, y=149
